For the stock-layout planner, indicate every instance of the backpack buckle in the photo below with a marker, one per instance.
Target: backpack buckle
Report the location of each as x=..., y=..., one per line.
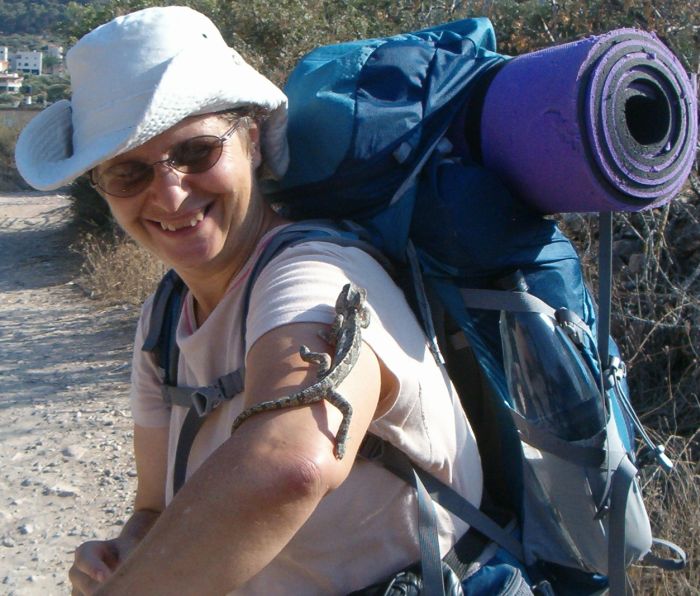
x=205, y=399
x=568, y=323
x=615, y=373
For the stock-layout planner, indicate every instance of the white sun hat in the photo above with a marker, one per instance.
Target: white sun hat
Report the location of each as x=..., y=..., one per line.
x=134, y=78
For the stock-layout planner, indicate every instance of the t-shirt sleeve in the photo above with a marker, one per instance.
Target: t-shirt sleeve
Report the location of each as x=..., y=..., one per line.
x=147, y=405
x=302, y=285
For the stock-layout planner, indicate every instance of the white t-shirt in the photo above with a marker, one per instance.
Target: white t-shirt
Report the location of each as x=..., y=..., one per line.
x=367, y=528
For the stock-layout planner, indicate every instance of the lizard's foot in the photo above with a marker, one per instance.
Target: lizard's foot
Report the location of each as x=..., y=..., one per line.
x=321, y=359
x=345, y=408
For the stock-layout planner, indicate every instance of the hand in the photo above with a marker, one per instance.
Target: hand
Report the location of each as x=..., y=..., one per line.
x=95, y=561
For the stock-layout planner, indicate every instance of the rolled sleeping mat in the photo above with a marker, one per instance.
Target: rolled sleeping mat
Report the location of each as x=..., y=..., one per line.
x=608, y=123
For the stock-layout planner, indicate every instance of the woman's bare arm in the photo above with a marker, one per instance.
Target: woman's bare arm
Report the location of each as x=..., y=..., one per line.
x=245, y=503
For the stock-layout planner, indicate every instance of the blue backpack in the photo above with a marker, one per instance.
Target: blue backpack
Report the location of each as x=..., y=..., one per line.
x=497, y=288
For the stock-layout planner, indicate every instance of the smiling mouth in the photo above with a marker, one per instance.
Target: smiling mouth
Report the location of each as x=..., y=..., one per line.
x=175, y=226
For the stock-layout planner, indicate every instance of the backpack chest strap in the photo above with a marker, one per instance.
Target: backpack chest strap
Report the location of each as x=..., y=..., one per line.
x=205, y=399
x=200, y=402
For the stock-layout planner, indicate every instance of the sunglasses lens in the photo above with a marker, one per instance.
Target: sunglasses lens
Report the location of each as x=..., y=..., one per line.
x=193, y=156
x=197, y=155
x=126, y=178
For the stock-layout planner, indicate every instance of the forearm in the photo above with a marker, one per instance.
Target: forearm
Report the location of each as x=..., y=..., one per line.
x=138, y=525
x=223, y=528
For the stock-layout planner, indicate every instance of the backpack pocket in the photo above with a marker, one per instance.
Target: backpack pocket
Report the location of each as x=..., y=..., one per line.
x=569, y=499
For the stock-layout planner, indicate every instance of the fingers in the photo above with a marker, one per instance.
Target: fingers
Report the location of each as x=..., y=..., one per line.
x=93, y=564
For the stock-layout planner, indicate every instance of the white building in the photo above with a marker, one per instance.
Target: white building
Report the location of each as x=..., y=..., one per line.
x=55, y=52
x=10, y=82
x=27, y=62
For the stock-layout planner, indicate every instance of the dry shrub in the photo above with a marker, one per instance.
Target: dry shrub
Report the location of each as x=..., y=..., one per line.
x=672, y=502
x=116, y=270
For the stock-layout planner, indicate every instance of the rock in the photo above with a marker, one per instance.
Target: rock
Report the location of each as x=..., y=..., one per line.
x=26, y=529
x=60, y=491
x=637, y=263
x=73, y=451
x=8, y=542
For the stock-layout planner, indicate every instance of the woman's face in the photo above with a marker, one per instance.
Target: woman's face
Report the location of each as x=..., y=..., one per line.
x=204, y=223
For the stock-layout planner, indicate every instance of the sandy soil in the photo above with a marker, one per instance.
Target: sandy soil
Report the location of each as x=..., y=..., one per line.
x=65, y=441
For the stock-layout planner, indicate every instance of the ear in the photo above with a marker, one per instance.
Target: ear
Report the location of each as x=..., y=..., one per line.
x=254, y=145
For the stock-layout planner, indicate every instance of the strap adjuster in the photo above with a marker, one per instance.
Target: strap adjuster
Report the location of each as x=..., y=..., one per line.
x=205, y=399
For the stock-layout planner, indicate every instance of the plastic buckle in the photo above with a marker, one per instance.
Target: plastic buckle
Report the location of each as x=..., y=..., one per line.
x=615, y=372
x=205, y=399
x=568, y=324
x=657, y=452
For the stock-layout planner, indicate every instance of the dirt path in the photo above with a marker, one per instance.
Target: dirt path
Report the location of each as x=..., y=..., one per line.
x=65, y=442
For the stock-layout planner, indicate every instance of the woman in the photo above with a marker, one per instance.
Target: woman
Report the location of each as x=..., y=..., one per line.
x=175, y=130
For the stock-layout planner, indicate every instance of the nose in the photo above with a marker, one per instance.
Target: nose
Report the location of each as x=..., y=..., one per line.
x=168, y=187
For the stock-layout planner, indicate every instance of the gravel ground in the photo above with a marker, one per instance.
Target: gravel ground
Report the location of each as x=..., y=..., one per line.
x=65, y=434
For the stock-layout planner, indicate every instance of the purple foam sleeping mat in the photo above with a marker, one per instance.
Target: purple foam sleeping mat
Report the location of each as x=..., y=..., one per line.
x=608, y=123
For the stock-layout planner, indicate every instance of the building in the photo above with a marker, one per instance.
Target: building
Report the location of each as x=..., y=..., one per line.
x=55, y=52
x=27, y=62
x=10, y=82
x=4, y=58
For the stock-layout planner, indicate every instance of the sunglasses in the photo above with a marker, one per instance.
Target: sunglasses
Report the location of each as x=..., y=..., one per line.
x=193, y=156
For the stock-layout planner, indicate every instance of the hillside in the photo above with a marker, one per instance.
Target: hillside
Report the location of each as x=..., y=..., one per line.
x=35, y=17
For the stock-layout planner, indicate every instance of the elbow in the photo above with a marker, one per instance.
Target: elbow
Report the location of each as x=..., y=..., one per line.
x=302, y=477
x=299, y=475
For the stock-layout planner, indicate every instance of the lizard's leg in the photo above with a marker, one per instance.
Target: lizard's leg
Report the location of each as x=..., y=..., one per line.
x=321, y=359
x=345, y=408
x=330, y=336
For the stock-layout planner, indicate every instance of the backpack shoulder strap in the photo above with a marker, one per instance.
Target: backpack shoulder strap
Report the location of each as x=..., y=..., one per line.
x=167, y=305
x=375, y=449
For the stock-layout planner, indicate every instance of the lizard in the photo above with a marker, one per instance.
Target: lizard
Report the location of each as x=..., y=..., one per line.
x=351, y=316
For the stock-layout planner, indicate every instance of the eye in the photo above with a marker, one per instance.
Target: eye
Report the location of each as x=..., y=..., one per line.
x=195, y=151
x=126, y=170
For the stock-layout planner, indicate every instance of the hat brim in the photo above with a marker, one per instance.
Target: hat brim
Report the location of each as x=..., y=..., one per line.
x=45, y=155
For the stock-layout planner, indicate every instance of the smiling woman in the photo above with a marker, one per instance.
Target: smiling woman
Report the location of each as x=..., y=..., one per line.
x=176, y=132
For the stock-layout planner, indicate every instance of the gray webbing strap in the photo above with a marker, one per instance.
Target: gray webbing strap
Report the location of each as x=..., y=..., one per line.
x=591, y=457
x=505, y=300
x=668, y=564
x=604, y=286
x=396, y=461
x=431, y=563
x=205, y=399
x=621, y=484
x=200, y=401
x=188, y=431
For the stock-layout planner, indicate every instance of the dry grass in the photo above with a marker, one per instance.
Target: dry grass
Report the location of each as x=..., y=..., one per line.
x=116, y=270
x=673, y=504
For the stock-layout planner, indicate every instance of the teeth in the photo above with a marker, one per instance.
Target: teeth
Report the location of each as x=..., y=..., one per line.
x=193, y=222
